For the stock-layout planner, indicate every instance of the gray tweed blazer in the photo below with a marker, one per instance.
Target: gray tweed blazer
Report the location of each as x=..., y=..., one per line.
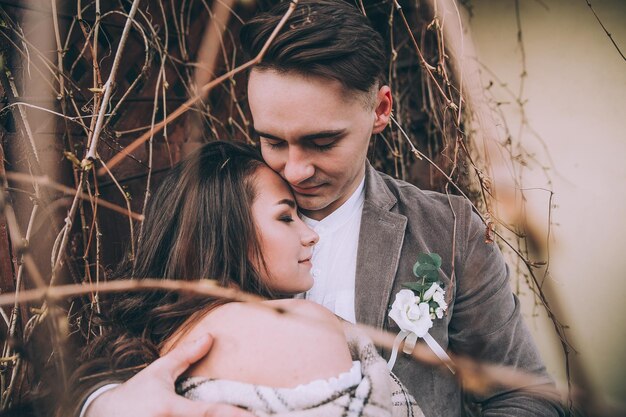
x=400, y=221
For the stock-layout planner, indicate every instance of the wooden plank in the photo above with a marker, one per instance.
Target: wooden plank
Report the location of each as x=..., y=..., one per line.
x=7, y=272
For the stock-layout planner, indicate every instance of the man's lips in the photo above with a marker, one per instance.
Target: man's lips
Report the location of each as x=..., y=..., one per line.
x=305, y=261
x=306, y=190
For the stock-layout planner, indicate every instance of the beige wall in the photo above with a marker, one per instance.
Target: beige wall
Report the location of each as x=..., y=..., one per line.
x=576, y=92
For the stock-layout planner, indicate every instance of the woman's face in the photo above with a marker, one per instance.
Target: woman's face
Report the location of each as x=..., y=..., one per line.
x=286, y=242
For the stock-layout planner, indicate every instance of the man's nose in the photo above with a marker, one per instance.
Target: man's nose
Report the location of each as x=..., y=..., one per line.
x=298, y=167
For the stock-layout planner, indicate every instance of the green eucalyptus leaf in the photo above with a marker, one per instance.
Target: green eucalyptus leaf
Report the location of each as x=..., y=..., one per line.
x=424, y=258
x=430, y=259
x=416, y=286
x=436, y=259
x=425, y=269
x=415, y=269
x=431, y=276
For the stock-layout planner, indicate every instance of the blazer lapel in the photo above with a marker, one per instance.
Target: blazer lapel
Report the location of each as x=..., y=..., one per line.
x=380, y=242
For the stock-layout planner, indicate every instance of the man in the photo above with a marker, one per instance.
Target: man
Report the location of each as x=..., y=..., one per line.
x=316, y=100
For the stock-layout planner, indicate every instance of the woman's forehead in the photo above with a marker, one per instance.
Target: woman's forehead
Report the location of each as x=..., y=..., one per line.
x=270, y=187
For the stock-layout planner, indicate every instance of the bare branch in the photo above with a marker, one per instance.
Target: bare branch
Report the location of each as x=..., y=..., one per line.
x=205, y=89
x=605, y=30
x=45, y=181
x=108, y=86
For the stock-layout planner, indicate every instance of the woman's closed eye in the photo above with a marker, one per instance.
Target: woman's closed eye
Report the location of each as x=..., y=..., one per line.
x=287, y=218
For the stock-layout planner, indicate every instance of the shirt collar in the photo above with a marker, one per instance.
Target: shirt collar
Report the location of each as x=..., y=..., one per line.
x=338, y=217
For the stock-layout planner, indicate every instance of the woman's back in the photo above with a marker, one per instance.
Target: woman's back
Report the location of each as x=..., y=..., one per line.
x=280, y=343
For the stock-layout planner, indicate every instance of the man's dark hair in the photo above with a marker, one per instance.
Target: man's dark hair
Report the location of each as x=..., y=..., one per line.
x=325, y=38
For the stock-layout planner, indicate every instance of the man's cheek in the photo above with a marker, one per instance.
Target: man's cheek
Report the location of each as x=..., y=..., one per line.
x=273, y=161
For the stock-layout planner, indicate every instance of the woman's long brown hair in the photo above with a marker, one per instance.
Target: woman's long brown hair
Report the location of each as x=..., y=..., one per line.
x=198, y=225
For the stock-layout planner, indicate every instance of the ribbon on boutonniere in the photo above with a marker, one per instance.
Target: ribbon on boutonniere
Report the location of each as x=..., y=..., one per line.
x=415, y=308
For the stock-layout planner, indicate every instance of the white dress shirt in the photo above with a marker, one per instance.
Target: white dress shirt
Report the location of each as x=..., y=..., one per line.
x=334, y=256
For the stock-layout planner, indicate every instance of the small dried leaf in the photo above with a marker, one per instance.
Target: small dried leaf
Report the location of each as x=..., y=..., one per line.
x=72, y=158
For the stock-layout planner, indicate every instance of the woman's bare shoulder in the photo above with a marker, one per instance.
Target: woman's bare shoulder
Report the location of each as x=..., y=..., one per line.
x=275, y=343
x=290, y=312
x=305, y=309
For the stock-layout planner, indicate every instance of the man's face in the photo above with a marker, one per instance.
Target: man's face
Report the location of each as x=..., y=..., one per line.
x=314, y=135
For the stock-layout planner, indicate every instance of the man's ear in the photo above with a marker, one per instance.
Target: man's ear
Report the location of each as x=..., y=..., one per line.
x=384, y=104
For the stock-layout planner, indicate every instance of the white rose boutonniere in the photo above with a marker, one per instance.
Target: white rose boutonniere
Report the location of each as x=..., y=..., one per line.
x=411, y=315
x=415, y=308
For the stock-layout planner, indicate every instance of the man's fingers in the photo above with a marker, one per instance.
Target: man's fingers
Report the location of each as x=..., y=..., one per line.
x=188, y=408
x=176, y=361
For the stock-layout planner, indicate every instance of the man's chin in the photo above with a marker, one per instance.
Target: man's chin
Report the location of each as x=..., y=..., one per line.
x=311, y=204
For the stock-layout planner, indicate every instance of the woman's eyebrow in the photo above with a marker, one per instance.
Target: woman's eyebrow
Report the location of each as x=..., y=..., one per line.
x=288, y=202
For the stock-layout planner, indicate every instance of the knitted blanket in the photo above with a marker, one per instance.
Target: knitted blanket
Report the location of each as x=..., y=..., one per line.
x=367, y=390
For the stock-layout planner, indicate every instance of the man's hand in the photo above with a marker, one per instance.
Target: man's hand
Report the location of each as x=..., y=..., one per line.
x=151, y=393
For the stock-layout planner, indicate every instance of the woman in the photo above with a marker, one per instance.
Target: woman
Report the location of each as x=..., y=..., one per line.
x=223, y=214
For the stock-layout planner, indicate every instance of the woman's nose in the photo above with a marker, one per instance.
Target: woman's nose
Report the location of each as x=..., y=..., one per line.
x=309, y=236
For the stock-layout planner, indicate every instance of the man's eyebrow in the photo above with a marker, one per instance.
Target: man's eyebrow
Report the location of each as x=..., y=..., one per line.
x=266, y=135
x=324, y=134
x=288, y=202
